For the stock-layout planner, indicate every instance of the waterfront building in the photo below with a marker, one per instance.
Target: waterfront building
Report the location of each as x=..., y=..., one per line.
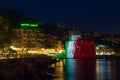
x=54, y=43
x=28, y=39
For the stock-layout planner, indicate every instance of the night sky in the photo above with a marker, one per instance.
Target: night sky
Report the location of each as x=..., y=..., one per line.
x=98, y=15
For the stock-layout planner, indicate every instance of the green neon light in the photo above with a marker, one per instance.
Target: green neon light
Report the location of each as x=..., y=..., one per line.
x=34, y=25
x=24, y=24
x=30, y=25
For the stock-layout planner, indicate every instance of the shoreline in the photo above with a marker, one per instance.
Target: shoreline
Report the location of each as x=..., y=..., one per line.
x=96, y=57
x=107, y=56
x=30, y=68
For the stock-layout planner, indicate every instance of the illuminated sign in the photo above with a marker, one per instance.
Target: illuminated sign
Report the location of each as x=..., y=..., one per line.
x=29, y=26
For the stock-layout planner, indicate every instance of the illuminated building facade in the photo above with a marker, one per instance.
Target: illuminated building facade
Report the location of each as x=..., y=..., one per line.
x=52, y=42
x=28, y=37
x=77, y=48
x=84, y=49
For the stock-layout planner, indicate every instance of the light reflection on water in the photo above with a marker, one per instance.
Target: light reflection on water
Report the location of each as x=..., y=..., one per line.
x=87, y=69
x=59, y=70
x=103, y=69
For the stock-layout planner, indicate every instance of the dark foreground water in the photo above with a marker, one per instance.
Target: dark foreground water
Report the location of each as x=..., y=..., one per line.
x=87, y=69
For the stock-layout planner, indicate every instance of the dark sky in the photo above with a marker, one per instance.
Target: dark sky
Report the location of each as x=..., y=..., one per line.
x=98, y=15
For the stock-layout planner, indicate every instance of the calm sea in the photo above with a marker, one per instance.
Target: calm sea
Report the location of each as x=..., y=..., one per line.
x=87, y=69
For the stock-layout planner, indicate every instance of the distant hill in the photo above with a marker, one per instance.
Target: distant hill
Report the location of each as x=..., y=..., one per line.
x=15, y=17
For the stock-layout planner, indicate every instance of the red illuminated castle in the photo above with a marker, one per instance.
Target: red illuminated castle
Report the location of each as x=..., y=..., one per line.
x=84, y=49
